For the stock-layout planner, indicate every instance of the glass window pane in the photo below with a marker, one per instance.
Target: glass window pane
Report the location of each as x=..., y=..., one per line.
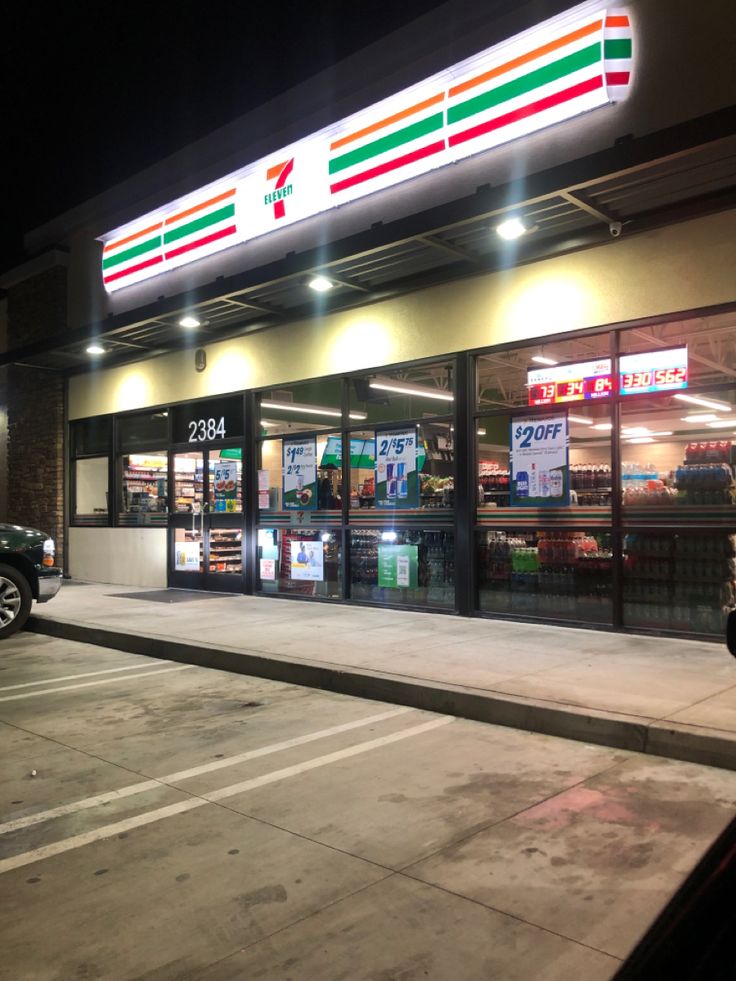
x=188, y=482
x=91, y=436
x=299, y=561
x=226, y=550
x=142, y=431
x=403, y=567
x=297, y=408
x=680, y=581
x=409, y=393
x=403, y=468
x=225, y=485
x=557, y=574
x=90, y=488
x=572, y=371
x=145, y=489
x=314, y=488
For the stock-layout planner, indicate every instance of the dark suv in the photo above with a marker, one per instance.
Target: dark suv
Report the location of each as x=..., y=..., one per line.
x=27, y=572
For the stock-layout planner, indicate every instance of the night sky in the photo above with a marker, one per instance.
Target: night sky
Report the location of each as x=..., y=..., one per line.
x=92, y=93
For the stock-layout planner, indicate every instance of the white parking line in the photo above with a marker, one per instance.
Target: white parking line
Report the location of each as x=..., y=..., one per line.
x=149, y=817
x=85, y=674
x=92, y=684
x=140, y=788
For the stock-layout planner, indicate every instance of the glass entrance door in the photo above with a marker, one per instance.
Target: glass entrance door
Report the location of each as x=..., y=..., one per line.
x=206, y=523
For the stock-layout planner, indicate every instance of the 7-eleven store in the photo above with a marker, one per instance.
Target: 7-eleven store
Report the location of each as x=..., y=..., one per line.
x=465, y=346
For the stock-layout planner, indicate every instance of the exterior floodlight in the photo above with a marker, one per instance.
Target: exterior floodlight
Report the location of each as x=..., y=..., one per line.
x=190, y=322
x=320, y=284
x=95, y=349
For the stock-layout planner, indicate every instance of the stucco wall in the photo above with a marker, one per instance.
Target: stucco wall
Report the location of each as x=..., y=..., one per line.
x=682, y=267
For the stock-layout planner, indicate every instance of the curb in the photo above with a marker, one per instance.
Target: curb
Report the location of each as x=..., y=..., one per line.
x=641, y=735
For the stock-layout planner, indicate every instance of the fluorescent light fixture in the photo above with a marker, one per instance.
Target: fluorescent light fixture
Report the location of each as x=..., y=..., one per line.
x=320, y=284
x=580, y=419
x=511, y=228
x=636, y=431
x=700, y=417
x=603, y=425
x=722, y=424
x=707, y=403
x=641, y=439
x=663, y=432
x=311, y=410
x=481, y=432
x=95, y=349
x=191, y=323
x=408, y=388
x=542, y=359
x=388, y=536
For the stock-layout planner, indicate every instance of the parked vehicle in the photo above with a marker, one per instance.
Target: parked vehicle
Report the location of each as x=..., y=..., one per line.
x=27, y=572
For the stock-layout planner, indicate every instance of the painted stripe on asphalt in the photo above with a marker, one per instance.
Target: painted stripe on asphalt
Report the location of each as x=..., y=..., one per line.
x=92, y=684
x=140, y=788
x=149, y=817
x=85, y=674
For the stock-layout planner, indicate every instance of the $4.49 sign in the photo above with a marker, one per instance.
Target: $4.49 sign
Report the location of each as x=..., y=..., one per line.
x=397, y=483
x=300, y=474
x=540, y=470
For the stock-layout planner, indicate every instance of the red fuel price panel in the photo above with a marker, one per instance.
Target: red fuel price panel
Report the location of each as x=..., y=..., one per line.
x=653, y=371
x=570, y=382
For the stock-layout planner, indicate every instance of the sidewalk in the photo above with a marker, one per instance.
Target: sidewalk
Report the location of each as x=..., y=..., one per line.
x=674, y=698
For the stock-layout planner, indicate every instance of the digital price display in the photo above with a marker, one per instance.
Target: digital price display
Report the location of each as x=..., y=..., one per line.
x=653, y=371
x=578, y=382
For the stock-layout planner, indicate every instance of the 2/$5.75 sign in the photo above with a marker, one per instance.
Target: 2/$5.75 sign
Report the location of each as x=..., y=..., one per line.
x=568, y=65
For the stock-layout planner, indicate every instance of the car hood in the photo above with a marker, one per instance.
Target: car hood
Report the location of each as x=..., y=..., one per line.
x=23, y=530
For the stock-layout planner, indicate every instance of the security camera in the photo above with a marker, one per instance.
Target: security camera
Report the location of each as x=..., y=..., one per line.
x=615, y=228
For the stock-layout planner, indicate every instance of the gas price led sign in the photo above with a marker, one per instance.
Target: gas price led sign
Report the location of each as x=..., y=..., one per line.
x=585, y=380
x=653, y=371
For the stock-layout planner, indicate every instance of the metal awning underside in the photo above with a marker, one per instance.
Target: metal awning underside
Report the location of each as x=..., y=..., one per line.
x=668, y=177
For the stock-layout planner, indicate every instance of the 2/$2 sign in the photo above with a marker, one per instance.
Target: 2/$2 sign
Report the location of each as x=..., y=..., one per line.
x=208, y=422
x=568, y=65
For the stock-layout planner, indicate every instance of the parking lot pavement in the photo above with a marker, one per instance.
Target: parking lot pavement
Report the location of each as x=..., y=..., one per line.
x=164, y=821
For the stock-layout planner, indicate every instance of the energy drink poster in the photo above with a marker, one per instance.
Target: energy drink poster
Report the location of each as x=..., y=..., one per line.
x=540, y=466
x=397, y=480
x=300, y=474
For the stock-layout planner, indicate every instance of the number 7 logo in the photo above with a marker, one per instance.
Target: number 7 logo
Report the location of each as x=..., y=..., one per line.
x=280, y=173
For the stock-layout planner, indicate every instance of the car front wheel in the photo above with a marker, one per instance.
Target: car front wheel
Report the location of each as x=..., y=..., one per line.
x=15, y=600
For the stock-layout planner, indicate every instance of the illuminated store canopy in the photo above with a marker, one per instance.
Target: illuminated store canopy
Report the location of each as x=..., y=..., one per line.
x=568, y=65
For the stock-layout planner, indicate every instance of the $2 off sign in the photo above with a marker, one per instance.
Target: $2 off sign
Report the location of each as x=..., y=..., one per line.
x=540, y=472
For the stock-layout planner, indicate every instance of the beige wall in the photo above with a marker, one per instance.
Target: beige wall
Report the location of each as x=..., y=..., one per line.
x=673, y=269
x=124, y=556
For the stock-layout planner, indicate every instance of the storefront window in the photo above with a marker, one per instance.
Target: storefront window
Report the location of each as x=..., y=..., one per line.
x=143, y=430
x=90, y=491
x=299, y=408
x=300, y=561
x=403, y=468
x=144, y=485
x=408, y=393
x=402, y=567
x=562, y=574
x=301, y=473
x=91, y=437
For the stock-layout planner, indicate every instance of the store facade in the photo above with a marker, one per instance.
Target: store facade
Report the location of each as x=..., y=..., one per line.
x=539, y=431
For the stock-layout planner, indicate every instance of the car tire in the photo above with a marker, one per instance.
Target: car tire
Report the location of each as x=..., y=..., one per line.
x=15, y=600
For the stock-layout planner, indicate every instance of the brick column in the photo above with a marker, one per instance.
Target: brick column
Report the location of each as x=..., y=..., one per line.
x=35, y=441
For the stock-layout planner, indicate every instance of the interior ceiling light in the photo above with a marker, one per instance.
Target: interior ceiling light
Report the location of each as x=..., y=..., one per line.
x=707, y=403
x=603, y=425
x=511, y=228
x=311, y=410
x=481, y=432
x=320, y=284
x=722, y=423
x=663, y=432
x=581, y=419
x=543, y=359
x=636, y=431
x=641, y=439
x=700, y=417
x=95, y=349
x=408, y=388
x=191, y=323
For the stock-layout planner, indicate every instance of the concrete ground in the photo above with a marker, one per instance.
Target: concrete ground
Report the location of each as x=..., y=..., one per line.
x=670, y=697
x=190, y=823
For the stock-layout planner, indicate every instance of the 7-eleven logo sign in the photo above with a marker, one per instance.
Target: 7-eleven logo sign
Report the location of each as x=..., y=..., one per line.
x=280, y=173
